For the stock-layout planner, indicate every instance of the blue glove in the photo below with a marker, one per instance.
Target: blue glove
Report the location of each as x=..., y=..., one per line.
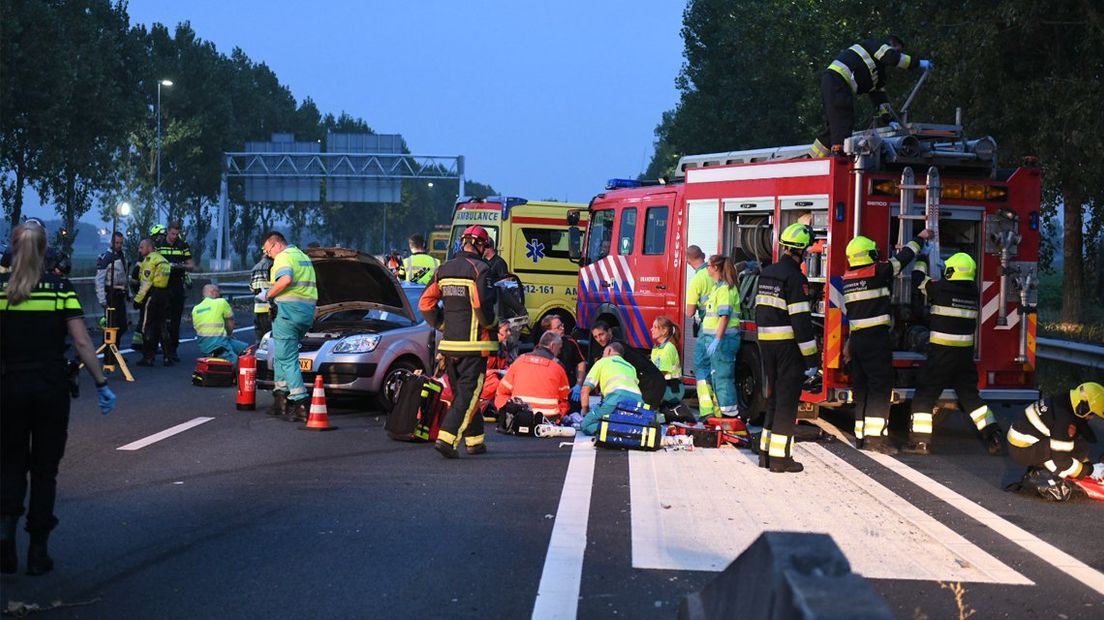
x=712, y=348
x=107, y=399
x=576, y=392
x=895, y=126
x=926, y=65
x=812, y=372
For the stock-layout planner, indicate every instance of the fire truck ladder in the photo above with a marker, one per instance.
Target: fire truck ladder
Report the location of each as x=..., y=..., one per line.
x=902, y=289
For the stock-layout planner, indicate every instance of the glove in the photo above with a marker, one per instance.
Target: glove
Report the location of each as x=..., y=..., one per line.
x=106, y=398
x=262, y=296
x=576, y=393
x=712, y=348
x=1097, y=472
x=926, y=65
x=895, y=126
x=814, y=381
x=812, y=372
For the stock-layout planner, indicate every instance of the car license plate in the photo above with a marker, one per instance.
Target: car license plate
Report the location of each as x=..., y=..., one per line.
x=305, y=363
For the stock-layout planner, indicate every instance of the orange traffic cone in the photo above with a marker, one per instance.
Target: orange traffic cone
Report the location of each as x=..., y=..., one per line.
x=319, y=419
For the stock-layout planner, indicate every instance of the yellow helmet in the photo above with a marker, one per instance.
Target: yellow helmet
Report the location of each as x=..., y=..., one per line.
x=959, y=267
x=157, y=229
x=796, y=236
x=861, y=251
x=1087, y=399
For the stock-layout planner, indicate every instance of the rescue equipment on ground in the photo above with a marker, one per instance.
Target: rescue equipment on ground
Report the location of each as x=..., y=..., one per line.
x=247, y=381
x=631, y=427
x=213, y=372
x=417, y=410
x=517, y=418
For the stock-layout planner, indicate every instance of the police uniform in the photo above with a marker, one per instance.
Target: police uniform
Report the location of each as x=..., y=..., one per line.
x=209, y=320
x=858, y=70
x=259, y=280
x=787, y=345
x=294, y=316
x=720, y=368
x=419, y=267
x=616, y=379
x=153, y=294
x=697, y=293
x=866, y=295
x=177, y=253
x=468, y=298
x=34, y=418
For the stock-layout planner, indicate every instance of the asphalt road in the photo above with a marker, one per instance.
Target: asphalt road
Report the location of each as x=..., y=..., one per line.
x=245, y=516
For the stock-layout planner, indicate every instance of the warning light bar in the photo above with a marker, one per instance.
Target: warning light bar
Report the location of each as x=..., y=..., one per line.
x=951, y=191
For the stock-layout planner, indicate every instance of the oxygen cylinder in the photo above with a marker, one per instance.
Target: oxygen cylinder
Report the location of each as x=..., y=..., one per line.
x=247, y=381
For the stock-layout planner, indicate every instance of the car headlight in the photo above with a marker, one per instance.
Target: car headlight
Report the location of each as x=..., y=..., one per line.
x=361, y=343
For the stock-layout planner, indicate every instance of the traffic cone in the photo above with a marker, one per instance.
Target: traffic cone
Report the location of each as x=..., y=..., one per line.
x=319, y=419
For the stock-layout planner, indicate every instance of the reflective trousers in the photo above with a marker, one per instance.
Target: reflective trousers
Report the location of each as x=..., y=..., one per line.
x=292, y=322
x=466, y=374
x=947, y=367
x=872, y=375
x=719, y=370
x=784, y=374
x=593, y=418
x=221, y=346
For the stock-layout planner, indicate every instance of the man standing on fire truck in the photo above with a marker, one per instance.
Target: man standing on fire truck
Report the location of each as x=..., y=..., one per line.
x=866, y=293
x=954, y=315
x=785, y=330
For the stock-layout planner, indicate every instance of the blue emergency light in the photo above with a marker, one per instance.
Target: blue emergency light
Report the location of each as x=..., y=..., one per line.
x=623, y=183
x=1033, y=220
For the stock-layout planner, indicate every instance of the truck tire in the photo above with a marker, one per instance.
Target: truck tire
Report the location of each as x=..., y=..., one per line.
x=750, y=395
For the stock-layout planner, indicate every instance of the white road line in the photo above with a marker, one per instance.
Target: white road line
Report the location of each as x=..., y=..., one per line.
x=558, y=593
x=125, y=351
x=165, y=434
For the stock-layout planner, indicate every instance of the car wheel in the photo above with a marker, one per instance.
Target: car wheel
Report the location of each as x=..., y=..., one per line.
x=392, y=381
x=749, y=384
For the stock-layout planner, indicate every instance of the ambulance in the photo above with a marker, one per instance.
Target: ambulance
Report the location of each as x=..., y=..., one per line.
x=532, y=236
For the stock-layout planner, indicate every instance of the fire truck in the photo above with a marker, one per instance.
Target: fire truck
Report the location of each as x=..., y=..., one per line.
x=890, y=185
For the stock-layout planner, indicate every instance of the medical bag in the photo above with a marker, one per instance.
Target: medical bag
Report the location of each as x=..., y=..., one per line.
x=633, y=427
x=213, y=372
x=517, y=418
x=413, y=414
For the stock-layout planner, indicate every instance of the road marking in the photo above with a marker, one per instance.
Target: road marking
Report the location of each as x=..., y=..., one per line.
x=165, y=434
x=125, y=351
x=558, y=593
x=700, y=510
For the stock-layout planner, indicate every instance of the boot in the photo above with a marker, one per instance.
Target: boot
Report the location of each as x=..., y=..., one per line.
x=279, y=404
x=480, y=448
x=446, y=449
x=785, y=466
x=880, y=445
x=145, y=362
x=917, y=447
x=297, y=410
x=39, y=561
x=994, y=440
x=764, y=459
x=9, y=561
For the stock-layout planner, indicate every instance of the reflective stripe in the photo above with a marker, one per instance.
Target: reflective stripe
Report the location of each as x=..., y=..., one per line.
x=958, y=313
x=912, y=245
x=875, y=427
x=1051, y=465
x=1032, y=412
x=922, y=422
x=845, y=73
x=770, y=300
x=799, y=307
x=467, y=346
x=859, y=428
x=870, y=64
x=808, y=347
x=779, y=445
x=874, y=321
x=882, y=51
x=1061, y=446
x=904, y=61
x=1072, y=471
x=952, y=340
x=1021, y=440
x=864, y=295
x=764, y=440
x=982, y=417
x=818, y=149
x=784, y=332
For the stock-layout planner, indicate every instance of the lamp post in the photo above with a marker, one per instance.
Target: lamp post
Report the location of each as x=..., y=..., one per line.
x=165, y=83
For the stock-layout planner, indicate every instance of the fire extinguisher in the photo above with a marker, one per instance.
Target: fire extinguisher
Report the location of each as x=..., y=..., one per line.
x=247, y=381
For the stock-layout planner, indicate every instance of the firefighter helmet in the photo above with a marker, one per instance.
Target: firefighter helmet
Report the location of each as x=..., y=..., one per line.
x=1087, y=399
x=861, y=251
x=157, y=229
x=796, y=236
x=476, y=235
x=959, y=267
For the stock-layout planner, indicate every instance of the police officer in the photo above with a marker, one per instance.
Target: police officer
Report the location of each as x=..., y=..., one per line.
x=1052, y=438
x=858, y=70
x=698, y=288
x=293, y=288
x=153, y=294
x=787, y=345
x=954, y=316
x=213, y=320
x=866, y=294
x=259, y=278
x=111, y=289
x=172, y=246
x=463, y=286
x=38, y=310
x=419, y=266
x=499, y=268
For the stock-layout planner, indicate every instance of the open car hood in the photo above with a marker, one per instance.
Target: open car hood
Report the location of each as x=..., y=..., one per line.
x=349, y=279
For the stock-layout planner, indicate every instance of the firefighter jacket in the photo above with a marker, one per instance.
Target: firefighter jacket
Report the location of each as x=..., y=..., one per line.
x=863, y=66
x=467, y=312
x=867, y=289
x=419, y=267
x=954, y=311
x=153, y=272
x=1051, y=423
x=539, y=381
x=782, y=309
x=111, y=273
x=259, y=279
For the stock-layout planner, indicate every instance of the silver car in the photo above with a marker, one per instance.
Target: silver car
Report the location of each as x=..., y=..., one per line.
x=367, y=329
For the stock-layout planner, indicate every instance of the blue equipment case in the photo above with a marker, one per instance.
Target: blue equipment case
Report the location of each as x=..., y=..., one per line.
x=632, y=428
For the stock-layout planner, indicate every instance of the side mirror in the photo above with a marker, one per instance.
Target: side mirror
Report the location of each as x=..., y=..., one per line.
x=574, y=243
x=573, y=217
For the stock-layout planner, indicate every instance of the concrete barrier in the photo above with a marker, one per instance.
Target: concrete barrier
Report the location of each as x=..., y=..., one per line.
x=787, y=575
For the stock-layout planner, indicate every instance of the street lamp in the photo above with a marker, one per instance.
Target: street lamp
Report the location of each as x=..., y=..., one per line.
x=165, y=83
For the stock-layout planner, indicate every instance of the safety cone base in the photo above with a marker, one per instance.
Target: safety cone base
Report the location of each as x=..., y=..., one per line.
x=318, y=419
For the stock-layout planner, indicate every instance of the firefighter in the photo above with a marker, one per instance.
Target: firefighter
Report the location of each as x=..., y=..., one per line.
x=174, y=249
x=262, y=310
x=1052, y=438
x=419, y=266
x=153, y=294
x=787, y=346
x=954, y=317
x=697, y=292
x=721, y=333
x=111, y=289
x=468, y=297
x=293, y=287
x=214, y=326
x=866, y=294
x=616, y=379
x=858, y=70
x=538, y=379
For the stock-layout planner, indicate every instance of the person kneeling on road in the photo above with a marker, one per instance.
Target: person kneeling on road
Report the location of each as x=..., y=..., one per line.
x=214, y=323
x=538, y=380
x=615, y=379
x=1052, y=437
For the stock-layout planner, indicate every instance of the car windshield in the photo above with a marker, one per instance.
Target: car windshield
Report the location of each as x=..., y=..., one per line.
x=414, y=293
x=376, y=318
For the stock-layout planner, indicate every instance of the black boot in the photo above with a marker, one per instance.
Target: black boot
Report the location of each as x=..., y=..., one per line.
x=917, y=447
x=279, y=404
x=9, y=561
x=297, y=410
x=446, y=449
x=785, y=466
x=38, y=558
x=764, y=459
x=880, y=445
x=994, y=440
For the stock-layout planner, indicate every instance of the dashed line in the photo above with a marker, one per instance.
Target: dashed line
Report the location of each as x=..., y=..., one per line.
x=165, y=434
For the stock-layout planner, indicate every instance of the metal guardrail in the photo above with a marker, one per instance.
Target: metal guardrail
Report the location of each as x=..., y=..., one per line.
x=1080, y=353
x=214, y=276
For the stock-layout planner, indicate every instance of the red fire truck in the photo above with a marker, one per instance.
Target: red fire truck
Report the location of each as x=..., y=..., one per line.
x=891, y=185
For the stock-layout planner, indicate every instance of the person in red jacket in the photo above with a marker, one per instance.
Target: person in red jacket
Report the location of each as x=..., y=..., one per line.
x=538, y=379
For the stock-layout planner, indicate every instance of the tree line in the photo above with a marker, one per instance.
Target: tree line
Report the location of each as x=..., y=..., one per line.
x=1028, y=73
x=78, y=125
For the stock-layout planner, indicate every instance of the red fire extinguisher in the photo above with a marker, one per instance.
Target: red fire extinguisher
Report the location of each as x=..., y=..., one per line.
x=247, y=381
